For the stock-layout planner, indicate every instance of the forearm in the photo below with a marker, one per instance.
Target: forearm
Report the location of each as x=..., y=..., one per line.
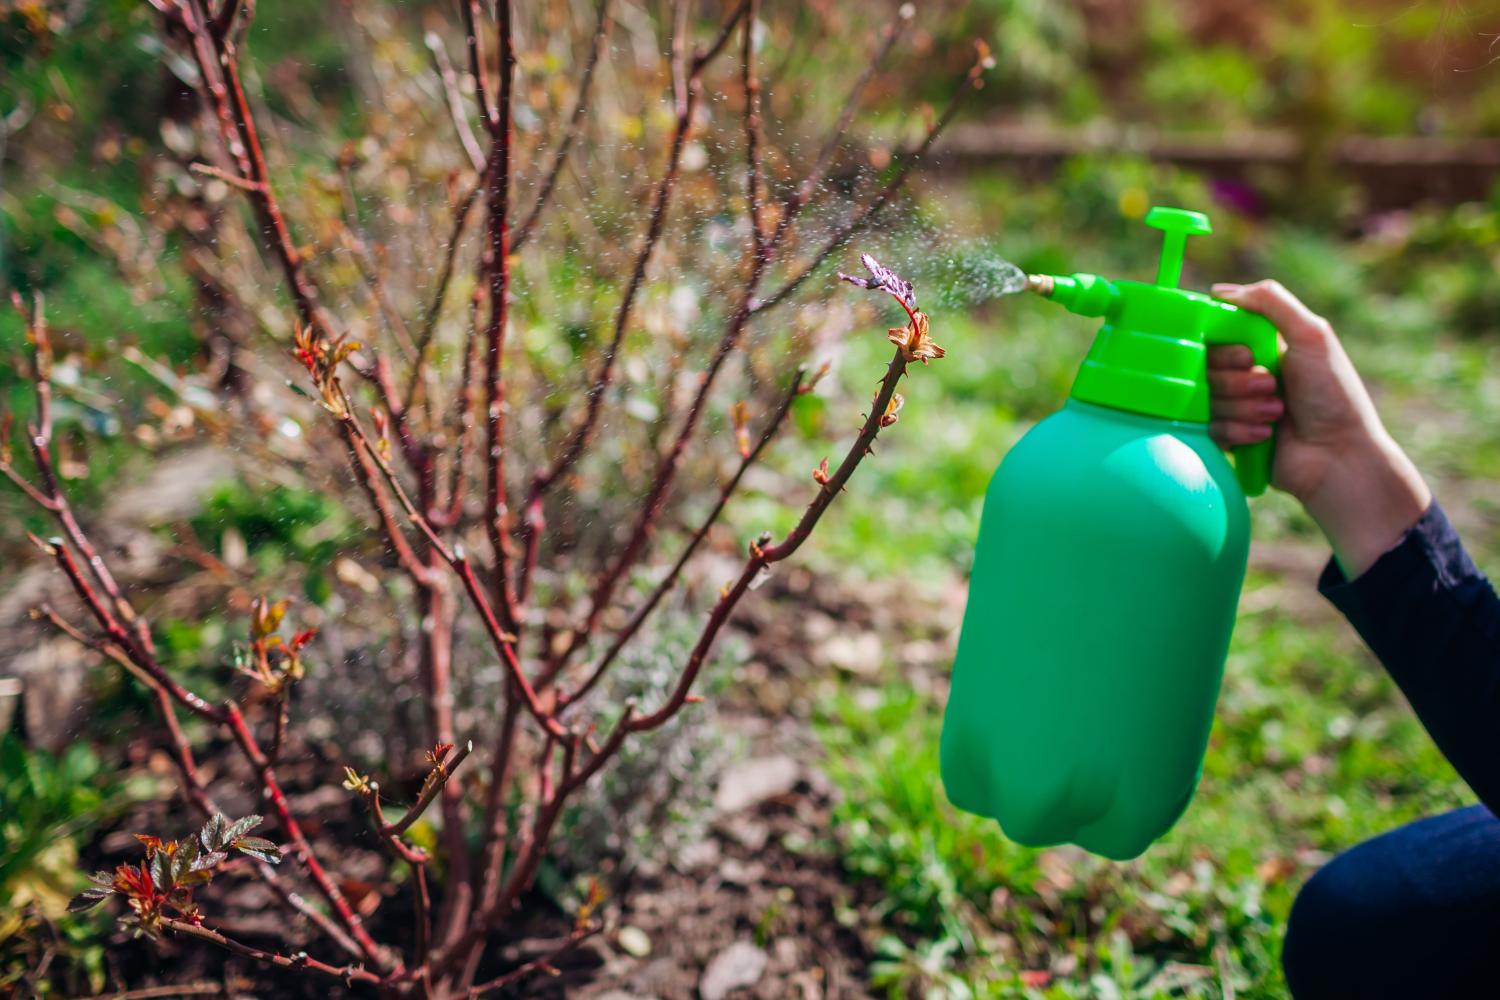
x=1370, y=496
x=1434, y=621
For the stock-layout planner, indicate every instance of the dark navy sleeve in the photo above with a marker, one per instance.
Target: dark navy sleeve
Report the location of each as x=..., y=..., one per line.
x=1434, y=621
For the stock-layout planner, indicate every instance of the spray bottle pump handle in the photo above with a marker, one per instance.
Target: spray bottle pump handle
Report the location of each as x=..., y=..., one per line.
x=1177, y=224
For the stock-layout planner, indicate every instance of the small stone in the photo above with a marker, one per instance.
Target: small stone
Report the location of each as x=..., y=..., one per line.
x=697, y=856
x=819, y=626
x=10, y=696
x=860, y=653
x=633, y=941
x=748, y=832
x=54, y=673
x=753, y=781
x=740, y=965
x=736, y=872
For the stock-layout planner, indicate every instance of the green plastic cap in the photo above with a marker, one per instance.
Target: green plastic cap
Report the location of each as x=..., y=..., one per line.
x=1149, y=356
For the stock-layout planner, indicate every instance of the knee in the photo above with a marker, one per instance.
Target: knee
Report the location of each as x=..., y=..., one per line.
x=1306, y=956
x=1331, y=934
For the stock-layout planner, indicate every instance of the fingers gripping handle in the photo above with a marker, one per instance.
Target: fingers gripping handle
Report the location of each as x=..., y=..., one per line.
x=1252, y=463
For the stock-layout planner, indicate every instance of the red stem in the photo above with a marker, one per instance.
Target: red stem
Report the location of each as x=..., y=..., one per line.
x=751, y=85
x=497, y=200
x=542, y=963
x=666, y=470
x=496, y=817
x=670, y=580
x=266, y=775
x=763, y=554
x=117, y=635
x=445, y=278
x=347, y=973
x=504, y=645
x=529, y=857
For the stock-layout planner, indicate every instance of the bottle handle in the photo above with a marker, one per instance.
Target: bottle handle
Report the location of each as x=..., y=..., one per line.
x=1252, y=462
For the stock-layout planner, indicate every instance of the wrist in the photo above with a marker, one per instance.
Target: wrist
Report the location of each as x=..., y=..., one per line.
x=1370, y=496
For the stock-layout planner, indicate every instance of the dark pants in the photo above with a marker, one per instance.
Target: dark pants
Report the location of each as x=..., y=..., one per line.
x=1414, y=913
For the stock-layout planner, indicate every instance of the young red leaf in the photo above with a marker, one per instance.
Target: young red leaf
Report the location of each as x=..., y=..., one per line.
x=240, y=827
x=258, y=848
x=89, y=898
x=883, y=279
x=152, y=844
x=161, y=872
x=740, y=413
x=913, y=340
x=212, y=836
x=892, y=410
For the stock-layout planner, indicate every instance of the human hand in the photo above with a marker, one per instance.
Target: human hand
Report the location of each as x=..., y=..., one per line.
x=1332, y=451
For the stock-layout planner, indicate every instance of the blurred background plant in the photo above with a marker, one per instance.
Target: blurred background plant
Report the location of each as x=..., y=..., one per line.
x=50, y=806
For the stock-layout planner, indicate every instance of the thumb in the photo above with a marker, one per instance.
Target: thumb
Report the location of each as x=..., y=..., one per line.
x=1298, y=324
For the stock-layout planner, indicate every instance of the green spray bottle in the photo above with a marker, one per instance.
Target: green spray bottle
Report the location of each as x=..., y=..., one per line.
x=1107, y=573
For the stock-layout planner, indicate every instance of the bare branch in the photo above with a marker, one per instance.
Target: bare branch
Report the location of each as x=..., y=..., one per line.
x=455, y=101
x=664, y=587
x=750, y=83
x=726, y=31
x=763, y=554
x=599, y=386
x=225, y=22
x=571, y=130
x=463, y=418
x=666, y=470
x=540, y=964
x=142, y=658
x=443, y=771
x=504, y=644
x=347, y=973
x=445, y=277
x=266, y=775
x=803, y=194
x=469, y=9
x=208, y=170
x=497, y=263
x=365, y=470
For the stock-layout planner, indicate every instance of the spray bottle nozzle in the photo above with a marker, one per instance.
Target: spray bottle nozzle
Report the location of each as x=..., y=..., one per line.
x=1084, y=294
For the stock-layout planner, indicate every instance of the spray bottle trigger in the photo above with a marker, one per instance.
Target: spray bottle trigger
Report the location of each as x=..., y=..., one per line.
x=1252, y=462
